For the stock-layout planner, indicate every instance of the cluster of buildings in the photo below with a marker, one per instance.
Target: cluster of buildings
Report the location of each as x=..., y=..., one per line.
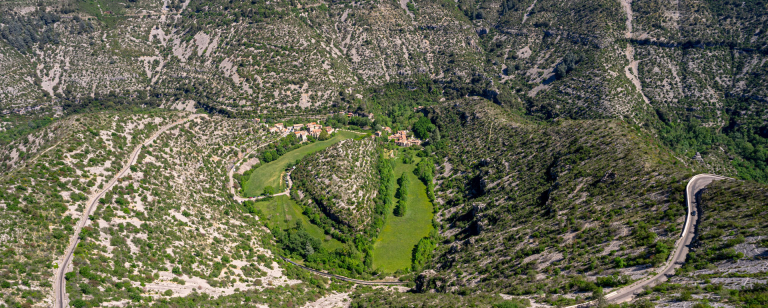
x=358, y=114
x=302, y=131
x=401, y=138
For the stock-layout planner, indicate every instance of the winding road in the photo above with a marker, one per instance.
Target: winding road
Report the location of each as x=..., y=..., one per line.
x=678, y=255
x=59, y=286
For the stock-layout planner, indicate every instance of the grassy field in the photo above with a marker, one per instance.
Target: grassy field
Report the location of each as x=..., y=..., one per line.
x=284, y=212
x=271, y=174
x=393, y=248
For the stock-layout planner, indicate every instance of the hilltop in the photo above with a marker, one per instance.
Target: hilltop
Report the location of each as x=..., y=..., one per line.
x=341, y=182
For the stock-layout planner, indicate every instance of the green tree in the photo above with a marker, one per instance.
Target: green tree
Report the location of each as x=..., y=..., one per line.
x=422, y=128
x=324, y=135
x=422, y=253
x=402, y=195
x=400, y=208
x=78, y=303
x=435, y=135
x=512, y=304
x=269, y=190
x=620, y=263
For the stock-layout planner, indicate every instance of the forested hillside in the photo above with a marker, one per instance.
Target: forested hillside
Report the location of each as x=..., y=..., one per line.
x=604, y=201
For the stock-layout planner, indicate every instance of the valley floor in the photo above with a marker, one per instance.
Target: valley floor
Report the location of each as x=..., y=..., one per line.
x=400, y=235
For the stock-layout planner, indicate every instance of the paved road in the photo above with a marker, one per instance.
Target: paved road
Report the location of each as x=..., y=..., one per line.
x=59, y=286
x=678, y=255
x=365, y=282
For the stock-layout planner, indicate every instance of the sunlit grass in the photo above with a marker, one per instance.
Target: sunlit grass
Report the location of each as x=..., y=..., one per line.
x=393, y=248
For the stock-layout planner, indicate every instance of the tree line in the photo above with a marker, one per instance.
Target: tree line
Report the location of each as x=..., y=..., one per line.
x=402, y=195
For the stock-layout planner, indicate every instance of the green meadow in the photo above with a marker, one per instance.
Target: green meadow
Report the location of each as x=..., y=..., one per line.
x=271, y=174
x=393, y=248
x=282, y=211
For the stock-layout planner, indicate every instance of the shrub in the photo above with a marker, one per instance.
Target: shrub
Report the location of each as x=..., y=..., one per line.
x=569, y=64
x=516, y=303
x=400, y=208
x=421, y=254
x=78, y=303
x=613, y=281
x=685, y=296
x=423, y=127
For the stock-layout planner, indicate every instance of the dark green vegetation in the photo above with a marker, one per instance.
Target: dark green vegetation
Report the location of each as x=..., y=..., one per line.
x=298, y=238
x=425, y=171
x=520, y=192
x=394, y=104
x=298, y=243
x=746, y=135
x=25, y=32
x=422, y=253
x=18, y=128
x=403, y=184
x=422, y=128
x=283, y=213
